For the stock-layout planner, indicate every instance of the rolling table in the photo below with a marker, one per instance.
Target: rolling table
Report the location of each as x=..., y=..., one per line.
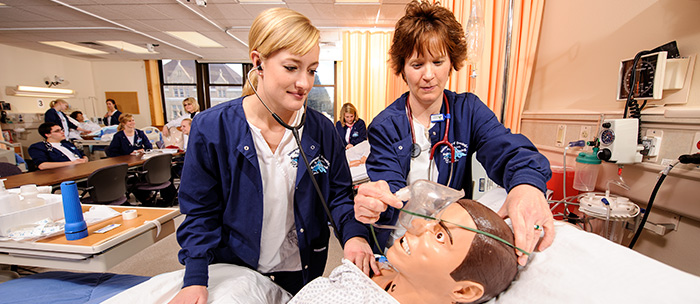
x=96, y=252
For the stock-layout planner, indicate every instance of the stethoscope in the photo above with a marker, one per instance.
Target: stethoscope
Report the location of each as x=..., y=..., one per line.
x=415, y=148
x=49, y=148
x=295, y=132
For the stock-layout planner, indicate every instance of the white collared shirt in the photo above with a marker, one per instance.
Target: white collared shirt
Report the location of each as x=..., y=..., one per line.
x=419, y=165
x=279, y=249
x=71, y=156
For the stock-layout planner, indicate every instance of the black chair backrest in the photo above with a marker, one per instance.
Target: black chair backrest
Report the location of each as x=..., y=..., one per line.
x=158, y=169
x=7, y=169
x=109, y=183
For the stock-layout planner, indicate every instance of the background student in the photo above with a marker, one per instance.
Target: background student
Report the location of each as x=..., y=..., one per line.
x=350, y=127
x=54, y=151
x=111, y=118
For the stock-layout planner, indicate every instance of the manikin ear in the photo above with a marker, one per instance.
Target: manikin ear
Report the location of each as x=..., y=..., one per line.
x=467, y=291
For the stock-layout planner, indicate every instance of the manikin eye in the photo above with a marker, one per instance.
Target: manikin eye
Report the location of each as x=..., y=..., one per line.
x=440, y=236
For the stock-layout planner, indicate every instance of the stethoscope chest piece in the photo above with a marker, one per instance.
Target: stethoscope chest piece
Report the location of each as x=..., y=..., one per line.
x=415, y=150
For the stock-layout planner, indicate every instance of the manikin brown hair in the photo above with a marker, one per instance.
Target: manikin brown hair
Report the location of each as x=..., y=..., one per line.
x=488, y=262
x=427, y=28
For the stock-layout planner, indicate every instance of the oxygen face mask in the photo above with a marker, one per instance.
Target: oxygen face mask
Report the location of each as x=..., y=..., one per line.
x=425, y=200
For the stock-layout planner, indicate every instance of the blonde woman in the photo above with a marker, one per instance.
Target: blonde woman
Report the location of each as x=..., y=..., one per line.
x=55, y=114
x=192, y=108
x=247, y=197
x=350, y=127
x=128, y=139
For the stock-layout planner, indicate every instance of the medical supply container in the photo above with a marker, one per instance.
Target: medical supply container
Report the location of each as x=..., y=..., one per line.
x=587, y=167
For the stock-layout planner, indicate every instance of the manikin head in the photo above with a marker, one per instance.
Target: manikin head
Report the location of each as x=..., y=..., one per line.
x=185, y=126
x=77, y=115
x=439, y=262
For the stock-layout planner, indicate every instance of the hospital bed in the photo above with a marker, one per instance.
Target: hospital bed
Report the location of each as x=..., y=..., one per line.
x=579, y=267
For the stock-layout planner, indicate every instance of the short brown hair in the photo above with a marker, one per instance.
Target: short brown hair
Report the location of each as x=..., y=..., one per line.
x=427, y=28
x=489, y=262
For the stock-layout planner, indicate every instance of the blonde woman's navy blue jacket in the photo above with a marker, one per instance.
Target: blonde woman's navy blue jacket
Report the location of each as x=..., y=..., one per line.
x=52, y=115
x=120, y=145
x=222, y=196
x=509, y=159
x=43, y=152
x=358, y=133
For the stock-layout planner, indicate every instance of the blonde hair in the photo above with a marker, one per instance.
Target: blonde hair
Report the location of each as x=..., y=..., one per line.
x=347, y=108
x=192, y=101
x=279, y=29
x=123, y=119
x=56, y=101
x=188, y=120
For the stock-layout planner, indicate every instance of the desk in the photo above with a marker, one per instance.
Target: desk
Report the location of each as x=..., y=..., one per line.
x=73, y=172
x=96, y=252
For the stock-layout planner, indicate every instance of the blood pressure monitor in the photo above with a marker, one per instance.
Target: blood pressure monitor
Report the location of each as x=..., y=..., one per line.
x=650, y=77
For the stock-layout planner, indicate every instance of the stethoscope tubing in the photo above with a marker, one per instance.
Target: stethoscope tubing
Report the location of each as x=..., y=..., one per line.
x=295, y=133
x=444, y=140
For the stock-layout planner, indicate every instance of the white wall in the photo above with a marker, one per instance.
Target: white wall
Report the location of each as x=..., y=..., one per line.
x=120, y=76
x=90, y=80
x=582, y=43
x=27, y=67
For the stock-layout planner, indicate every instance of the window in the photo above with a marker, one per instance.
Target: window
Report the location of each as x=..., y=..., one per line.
x=215, y=83
x=322, y=95
x=179, y=81
x=225, y=82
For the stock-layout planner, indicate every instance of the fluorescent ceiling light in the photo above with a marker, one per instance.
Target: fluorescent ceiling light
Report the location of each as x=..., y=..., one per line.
x=195, y=39
x=29, y=91
x=73, y=47
x=125, y=46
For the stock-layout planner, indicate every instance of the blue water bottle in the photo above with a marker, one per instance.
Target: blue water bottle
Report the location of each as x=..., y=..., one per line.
x=75, y=228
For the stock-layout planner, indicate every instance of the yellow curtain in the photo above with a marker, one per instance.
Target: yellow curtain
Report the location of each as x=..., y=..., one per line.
x=365, y=78
x=367, y=81
x=527, y=18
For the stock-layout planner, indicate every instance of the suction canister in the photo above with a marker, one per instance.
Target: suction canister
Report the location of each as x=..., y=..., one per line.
x=587, y=167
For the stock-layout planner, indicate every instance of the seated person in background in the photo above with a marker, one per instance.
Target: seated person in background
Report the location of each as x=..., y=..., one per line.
x=111, y=118
x=192, y=109
x=84, y=123
x=437, y=262
x=185, y=127
x=350, y=127
x=128, y=140
x=54, y=151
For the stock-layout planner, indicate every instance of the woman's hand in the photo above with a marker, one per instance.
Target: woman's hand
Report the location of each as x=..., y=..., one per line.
x=166, y=132
x=372, y=199
x=196, y=294
x=527, y=209
x=348, y=146
x=357, y=250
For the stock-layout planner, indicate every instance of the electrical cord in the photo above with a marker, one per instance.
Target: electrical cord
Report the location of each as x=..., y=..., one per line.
x=684, y=159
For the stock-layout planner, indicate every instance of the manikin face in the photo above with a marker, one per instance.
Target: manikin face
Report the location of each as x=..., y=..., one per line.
x=189, y=107
x=286, y=79
x=426, y=76
x=110, y=106
x=349, y=118
x=80, y=117
x=185, y=127
x=56, y=134
x=435, y=246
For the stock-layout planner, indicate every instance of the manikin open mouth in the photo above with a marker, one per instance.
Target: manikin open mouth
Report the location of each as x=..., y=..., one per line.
x=404, y=245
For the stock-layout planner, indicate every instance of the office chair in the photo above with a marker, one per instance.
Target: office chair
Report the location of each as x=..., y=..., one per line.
x=155, y=177
x=106, y=186
x=7, y=169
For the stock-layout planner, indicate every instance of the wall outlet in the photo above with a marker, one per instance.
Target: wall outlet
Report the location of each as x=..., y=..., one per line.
x=585, y=132
x=696, y=144
x=561, y=135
